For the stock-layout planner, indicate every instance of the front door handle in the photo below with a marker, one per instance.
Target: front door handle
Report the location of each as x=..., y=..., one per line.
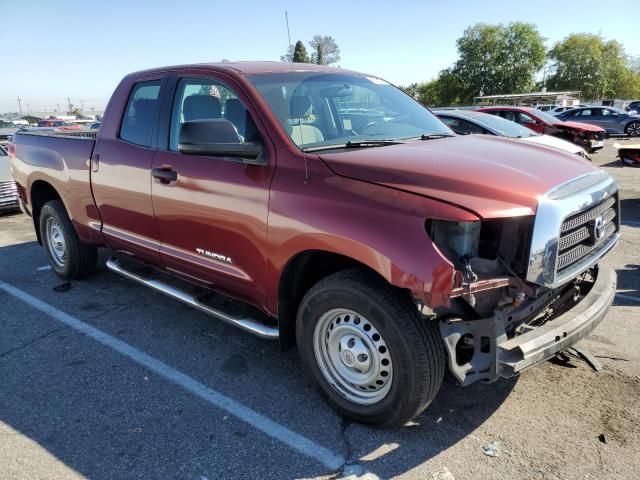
x=164, y=174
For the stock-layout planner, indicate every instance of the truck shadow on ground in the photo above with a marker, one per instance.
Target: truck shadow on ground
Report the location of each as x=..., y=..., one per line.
x=629, y=285
x=453, y=416
x=630, y=210
x=78, y=404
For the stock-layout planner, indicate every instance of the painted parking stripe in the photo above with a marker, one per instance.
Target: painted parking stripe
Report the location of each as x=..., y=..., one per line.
x=290, y=438
x=44, y=268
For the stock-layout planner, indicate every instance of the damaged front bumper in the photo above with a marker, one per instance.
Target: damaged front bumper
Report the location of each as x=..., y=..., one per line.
x=496, y=355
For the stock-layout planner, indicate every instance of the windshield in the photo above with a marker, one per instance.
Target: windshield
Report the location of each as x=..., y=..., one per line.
x=5, y=124
x=617, y=110
x=505, y=127
x=318, y=109
x=545, y=117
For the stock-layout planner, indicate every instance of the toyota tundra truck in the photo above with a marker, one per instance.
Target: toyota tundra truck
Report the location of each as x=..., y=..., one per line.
x=329, y=210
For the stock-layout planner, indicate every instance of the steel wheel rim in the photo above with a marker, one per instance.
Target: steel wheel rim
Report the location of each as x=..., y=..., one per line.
x=56, y=242
x=352, y=356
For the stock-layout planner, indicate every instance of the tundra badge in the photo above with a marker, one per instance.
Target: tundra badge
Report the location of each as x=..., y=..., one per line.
x=215, y=256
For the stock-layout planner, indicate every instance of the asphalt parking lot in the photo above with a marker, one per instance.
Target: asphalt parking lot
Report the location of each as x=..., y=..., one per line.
x=105, y=379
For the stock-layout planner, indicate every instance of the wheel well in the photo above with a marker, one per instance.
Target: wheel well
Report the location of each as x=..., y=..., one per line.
x=300, y=274
x=41, y=193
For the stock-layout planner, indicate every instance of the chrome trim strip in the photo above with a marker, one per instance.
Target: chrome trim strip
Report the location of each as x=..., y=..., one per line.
x=246, y=324
x=548, y=222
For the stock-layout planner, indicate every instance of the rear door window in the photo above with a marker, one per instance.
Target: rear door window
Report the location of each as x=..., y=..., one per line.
x=141, y=114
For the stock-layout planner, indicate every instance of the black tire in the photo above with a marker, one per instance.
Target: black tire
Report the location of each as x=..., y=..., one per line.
x=633, y=129
x=80, y=260
x=414, y=344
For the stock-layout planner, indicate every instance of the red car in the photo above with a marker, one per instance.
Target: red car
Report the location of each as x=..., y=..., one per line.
x=59, y=124
x=590, y=137
x=342, y=216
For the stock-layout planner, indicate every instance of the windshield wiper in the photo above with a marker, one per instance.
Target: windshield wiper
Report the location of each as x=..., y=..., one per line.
x=371, y=143
x=358, y=144
x=433, y=136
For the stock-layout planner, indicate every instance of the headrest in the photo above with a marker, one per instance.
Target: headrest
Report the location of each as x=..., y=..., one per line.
x=300, y=106
x=197, y=107
x=235, y=112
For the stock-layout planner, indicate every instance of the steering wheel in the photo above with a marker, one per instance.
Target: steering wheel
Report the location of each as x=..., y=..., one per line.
x=368, y=125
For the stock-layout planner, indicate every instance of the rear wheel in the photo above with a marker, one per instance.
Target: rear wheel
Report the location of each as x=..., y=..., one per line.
x=368, y=350
x=68, y=256
x=633, y=129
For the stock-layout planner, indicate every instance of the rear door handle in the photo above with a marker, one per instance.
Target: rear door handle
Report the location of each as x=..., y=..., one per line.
x=164, y=174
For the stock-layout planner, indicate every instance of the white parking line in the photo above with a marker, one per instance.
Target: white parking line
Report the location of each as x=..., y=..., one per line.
x=44, y=268
x=292, y=439
x=631, y=298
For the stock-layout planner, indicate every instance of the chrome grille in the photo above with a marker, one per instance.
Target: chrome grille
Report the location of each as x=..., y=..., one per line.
x=585, y=232
x=8, y=194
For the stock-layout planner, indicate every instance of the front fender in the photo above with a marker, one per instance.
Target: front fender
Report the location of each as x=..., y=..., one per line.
x=380, y=227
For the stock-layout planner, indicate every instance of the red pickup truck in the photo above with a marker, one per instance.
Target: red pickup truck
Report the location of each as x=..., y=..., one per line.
x=341, y=216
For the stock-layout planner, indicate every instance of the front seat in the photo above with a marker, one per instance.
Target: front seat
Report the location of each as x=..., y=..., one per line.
x=302, y=133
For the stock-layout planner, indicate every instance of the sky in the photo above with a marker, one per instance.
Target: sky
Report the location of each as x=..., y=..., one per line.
x=53, y=50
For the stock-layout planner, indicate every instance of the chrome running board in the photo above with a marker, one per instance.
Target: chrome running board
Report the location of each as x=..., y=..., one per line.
x=246, y=324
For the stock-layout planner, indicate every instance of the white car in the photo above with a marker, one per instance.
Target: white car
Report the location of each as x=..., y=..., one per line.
x=465, y=122
x=8, y=191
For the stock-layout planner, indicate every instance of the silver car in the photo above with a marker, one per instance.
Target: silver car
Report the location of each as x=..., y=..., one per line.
x=7, y=129
x=612, y=119
x=8, y=191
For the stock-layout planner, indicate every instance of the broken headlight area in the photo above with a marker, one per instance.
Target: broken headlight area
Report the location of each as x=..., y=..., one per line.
x=490, y=258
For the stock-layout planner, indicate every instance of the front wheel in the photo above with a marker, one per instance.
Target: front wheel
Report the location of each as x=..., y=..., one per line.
x=633, y=129
x=68, y=256
x=370, y=353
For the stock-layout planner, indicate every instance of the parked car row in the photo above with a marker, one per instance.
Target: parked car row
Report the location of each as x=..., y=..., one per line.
x=465, y=122
x=589, y=137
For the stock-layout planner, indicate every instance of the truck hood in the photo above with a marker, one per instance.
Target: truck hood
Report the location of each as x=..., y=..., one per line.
x=490, y=176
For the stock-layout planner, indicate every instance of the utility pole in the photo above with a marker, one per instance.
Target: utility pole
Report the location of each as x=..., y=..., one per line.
x=69, y=102
x=20, y=105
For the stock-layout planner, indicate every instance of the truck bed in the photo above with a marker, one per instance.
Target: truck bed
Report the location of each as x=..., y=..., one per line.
x=62, y=160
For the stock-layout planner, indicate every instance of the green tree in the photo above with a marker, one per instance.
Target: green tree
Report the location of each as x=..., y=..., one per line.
x=288, y=57
x=599, y=68
x=411, y=90
x=495, y=59
x=300, y=54
x=325, y=50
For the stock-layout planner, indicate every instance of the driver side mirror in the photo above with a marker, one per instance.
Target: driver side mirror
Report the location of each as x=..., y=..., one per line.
x=218, y=137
